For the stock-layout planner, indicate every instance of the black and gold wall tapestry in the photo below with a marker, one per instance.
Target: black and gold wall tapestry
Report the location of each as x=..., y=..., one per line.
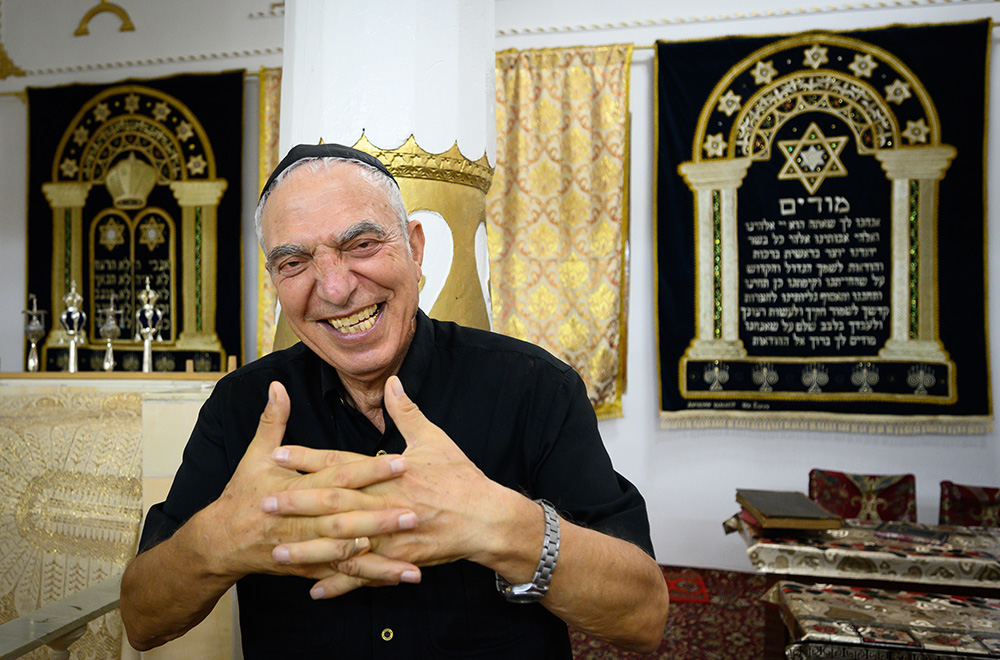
x=138, y=182
x=820, y=230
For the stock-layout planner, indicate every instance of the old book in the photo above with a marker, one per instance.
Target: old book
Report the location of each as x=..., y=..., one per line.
x=786, y=509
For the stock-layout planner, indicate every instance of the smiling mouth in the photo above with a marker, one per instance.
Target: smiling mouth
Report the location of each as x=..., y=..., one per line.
x=357, y=322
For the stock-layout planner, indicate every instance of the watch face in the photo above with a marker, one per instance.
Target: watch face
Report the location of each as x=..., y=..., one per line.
x=531, y=595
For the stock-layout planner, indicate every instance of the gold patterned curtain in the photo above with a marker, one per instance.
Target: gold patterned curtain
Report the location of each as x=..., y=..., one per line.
x=557, y=213
x=270, y=103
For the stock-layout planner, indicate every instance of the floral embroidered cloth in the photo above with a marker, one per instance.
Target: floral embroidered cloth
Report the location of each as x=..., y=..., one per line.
x=895, y=624
x=954, y=556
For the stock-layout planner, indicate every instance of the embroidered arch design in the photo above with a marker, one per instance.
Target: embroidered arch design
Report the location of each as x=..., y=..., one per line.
x=134, y=118
x=846, y=86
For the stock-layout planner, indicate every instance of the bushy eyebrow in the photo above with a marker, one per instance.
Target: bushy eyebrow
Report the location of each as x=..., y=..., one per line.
x=352, y=232
x=359, y=228
x=286, y=250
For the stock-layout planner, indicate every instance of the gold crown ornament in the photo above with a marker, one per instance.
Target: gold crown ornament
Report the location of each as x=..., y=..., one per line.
x=130, y=181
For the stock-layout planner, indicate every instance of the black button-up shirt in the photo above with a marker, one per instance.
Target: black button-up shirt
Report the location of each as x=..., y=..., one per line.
x=519, y=414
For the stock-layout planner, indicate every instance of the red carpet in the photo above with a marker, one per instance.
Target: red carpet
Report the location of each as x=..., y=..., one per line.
x=724, y=620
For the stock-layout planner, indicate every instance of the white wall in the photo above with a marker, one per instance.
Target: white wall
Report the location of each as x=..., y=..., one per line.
x=688, y=477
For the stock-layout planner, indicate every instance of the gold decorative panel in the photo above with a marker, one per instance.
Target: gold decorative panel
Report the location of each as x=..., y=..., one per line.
x=70, y=503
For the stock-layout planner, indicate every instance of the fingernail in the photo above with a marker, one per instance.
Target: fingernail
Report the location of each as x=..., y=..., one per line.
x=269, y=504
x=280, y=455
x=281, y=555
x=397, y=465
x=408, y=521
x=363, y=543
x=317, y=593
x=413, y=577
x=270, y=393
x=397, y=387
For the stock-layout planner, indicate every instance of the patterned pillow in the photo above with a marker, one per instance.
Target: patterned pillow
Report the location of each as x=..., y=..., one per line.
x=865, y=496
x=976, y=506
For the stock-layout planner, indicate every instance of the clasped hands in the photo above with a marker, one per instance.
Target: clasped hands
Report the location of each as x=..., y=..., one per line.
x=347, y=520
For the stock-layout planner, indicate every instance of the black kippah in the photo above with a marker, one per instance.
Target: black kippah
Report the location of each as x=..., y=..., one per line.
x=304, y=151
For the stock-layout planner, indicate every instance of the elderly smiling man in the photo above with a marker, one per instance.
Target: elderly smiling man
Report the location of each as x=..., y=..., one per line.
x=412, y=489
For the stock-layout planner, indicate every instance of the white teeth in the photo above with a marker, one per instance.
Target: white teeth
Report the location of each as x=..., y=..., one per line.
x=357, y=322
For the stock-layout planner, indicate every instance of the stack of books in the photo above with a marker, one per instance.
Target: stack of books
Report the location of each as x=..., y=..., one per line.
x=784, y=509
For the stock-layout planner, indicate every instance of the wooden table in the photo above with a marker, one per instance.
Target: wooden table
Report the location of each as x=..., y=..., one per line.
x=837, y=621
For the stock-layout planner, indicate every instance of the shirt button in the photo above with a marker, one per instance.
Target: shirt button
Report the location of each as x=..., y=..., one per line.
x=387, y=635
x=382, y=452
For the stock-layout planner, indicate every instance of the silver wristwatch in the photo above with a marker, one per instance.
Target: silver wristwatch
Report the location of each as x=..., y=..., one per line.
x=534, y=591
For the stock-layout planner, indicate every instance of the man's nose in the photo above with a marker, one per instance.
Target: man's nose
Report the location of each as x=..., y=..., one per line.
x=335, y=281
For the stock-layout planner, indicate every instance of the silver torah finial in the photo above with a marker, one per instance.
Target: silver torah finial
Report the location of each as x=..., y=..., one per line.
x=73, y=321
x=110, y=331
x=34, y=330
x=148, y=323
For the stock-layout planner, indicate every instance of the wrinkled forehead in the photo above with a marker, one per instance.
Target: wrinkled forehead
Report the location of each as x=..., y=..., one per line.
x=328, y=192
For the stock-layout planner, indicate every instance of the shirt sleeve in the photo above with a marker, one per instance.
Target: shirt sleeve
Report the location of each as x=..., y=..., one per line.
x=575, y=473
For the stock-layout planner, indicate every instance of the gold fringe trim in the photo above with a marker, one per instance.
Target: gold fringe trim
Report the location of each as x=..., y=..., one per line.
x=831, y=422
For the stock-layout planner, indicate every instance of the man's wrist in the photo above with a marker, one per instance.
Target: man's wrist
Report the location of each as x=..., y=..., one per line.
x=538, y=587
x=212, y=556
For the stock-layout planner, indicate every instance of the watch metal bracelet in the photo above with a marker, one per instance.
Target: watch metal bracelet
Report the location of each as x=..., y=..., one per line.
x=536, y=590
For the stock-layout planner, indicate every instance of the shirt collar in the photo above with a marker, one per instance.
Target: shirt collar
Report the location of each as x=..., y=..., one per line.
x=416, y=364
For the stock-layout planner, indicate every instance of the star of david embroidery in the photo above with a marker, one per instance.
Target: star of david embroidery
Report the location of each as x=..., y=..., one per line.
x=714, y=145
x=764, y=72
x=862, y=66
x=80, y=136
x=112, y=234
x=197, y=165
x=151, y=233
x=69, y=168
x=812, y=158
x=729, y=103
x=916, y=131
x=132, y=103
x=184, y=131
x=161, y=111
x=815, y=57
x=898, y=92
x=101, y=112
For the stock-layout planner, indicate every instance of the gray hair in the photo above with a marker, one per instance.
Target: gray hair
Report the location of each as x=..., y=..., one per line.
x=370, y=174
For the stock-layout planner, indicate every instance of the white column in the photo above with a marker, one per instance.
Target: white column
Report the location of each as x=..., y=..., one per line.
x=390, y=69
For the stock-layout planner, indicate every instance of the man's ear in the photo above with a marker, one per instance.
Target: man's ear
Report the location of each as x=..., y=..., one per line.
x=417, y=239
